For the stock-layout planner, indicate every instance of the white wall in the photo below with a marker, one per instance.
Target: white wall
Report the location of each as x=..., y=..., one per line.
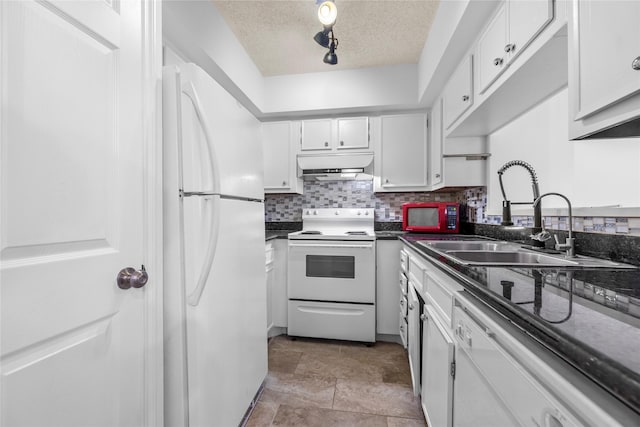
x=369, y=89
x=591, y=173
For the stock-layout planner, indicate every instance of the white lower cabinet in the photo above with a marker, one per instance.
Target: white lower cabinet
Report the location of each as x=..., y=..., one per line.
x=414, y=341
x=477, y=369
x=279, y=287
x=388, y=289
x=268, y=254
x=437, y=364
x=476, y=403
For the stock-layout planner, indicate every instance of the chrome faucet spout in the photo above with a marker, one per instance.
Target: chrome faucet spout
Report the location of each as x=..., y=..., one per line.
x=569, y=244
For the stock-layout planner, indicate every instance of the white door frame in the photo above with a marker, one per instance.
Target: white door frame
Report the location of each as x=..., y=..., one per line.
x=152, y=167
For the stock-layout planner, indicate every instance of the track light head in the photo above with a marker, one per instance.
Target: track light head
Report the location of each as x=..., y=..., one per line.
x=322, y=38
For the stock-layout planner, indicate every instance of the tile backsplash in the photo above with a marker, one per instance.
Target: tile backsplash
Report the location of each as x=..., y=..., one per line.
x=388, y=207
x=476, y=202
x=345, y=194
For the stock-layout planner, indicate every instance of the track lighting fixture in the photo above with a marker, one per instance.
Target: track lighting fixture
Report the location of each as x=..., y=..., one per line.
x=327, y=14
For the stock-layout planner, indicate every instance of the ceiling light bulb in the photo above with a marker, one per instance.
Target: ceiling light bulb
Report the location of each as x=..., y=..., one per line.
x=327, y=13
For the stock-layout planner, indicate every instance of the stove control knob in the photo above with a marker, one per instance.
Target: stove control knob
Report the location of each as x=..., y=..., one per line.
x=315, y=212
x=308, y=212
x=366, y=213
x=359, y=213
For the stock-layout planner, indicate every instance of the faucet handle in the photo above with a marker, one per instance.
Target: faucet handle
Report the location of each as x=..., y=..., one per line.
x=542, y=236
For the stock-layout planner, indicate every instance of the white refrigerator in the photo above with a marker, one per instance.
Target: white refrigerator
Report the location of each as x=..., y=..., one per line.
x=215, y=332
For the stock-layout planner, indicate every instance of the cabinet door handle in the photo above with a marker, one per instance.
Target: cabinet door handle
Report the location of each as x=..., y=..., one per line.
x=510, y=47
x=284, y=183
x=437, y=175
x=341, y=142
x=423, y=317
x=410, y=306
x=465, y=98
x=636, y=64
x=498, y=61
x=386, y=181
x=326, y=144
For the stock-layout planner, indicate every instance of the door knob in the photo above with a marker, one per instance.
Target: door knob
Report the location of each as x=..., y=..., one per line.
x=130, y=277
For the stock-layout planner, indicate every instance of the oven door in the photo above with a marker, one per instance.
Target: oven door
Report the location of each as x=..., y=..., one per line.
x=340, y=271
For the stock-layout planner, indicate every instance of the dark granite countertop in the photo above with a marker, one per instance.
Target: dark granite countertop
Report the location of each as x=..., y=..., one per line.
x=598, y=333
x=276, y=234
x=389, y=234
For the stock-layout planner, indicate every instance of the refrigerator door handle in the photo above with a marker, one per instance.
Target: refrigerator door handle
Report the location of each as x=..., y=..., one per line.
x=189, y=90
x=194, y=298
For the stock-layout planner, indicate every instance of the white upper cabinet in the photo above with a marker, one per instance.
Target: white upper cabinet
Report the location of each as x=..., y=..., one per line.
x=604, y=60
x=401, y=153
x=454, y=162
x=514, y=26
x=316, y=134
x=353, y=132
x=335, y=134
x=490, y=53
x=458, y=94
x=279, y=143
x=436, y=138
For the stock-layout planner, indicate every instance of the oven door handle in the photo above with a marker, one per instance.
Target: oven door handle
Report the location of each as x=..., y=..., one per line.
x=312, y=245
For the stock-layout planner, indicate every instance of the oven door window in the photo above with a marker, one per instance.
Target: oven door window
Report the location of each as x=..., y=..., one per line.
x=333, y=266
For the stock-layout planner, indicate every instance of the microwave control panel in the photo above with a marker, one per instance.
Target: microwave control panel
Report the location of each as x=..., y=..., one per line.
x=451, y=215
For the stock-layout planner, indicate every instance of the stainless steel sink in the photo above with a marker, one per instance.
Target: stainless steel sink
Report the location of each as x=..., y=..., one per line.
x=453, y=245
x=497, y=258
x=488, y=253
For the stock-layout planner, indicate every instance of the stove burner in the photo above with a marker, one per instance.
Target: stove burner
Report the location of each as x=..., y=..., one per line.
x=356, y=233
x=310, y=232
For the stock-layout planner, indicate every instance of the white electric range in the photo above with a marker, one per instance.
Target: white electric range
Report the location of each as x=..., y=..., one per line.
x=331, y=275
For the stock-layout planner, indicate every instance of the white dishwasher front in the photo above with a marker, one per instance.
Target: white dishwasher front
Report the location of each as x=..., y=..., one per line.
x=484, y=366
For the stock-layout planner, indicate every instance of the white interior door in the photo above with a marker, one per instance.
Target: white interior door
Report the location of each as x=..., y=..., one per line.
x=71, y=204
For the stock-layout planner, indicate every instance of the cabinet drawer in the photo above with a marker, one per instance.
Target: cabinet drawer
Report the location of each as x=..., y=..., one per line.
x=416, y=273
x=268, y=253
x=403, y=307
x=404, y=261
x=403, y=282
x=441, y=292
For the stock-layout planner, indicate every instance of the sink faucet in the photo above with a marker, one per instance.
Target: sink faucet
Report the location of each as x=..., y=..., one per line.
x=569, y=244
x=537, y=237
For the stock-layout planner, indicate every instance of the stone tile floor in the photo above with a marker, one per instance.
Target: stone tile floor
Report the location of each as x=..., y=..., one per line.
x=313, y=382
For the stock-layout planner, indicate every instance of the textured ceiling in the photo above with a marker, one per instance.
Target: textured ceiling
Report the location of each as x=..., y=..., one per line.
x=278, y=34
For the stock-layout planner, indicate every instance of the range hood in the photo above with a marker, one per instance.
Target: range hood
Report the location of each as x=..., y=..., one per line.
x=336, y=166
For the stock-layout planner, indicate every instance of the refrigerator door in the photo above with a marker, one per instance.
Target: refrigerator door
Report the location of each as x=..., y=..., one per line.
x=221, y=145
x=226, y=330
